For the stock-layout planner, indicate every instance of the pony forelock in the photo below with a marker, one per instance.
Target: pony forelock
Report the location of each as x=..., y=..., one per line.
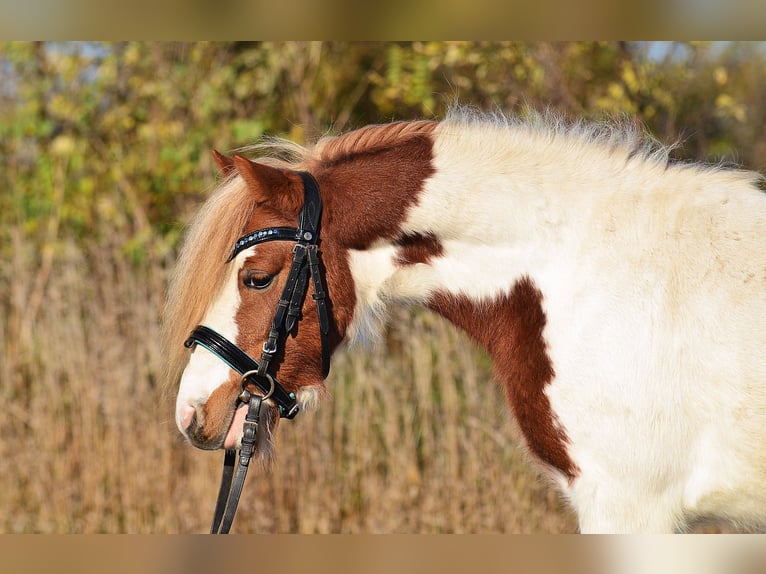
x=201, y=267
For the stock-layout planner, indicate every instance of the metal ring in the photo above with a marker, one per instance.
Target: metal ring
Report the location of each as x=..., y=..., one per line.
x=271, y=388
x=272, y=383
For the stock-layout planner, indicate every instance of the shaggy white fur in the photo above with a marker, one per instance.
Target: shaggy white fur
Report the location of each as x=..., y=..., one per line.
x=653, y=276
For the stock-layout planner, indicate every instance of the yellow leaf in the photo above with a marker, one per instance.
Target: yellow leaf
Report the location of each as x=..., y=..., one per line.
x=720, y=75
x=62, y=146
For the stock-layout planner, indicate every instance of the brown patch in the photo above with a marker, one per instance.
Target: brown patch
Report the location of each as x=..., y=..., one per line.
x=511, y=329
x=367, y=192
x=417, y=248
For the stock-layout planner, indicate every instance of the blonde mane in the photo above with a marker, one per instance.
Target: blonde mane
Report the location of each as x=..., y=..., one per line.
x=201, y=268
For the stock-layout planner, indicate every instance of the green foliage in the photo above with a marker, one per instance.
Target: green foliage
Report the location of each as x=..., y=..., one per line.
x=96, y=137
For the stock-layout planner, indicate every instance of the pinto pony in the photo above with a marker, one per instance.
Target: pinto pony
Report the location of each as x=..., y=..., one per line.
x=621, y=296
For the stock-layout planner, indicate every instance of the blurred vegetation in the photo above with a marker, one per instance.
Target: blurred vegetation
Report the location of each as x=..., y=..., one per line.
x=105, y=153
x=103, y=136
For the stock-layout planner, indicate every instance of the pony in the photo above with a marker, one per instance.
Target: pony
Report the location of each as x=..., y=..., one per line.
x=621, y=296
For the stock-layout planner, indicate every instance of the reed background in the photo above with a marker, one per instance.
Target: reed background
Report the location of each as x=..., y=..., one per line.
x=414, y=436
x=104, y=155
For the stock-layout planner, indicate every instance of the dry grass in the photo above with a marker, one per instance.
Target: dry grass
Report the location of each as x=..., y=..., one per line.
x=414, y=437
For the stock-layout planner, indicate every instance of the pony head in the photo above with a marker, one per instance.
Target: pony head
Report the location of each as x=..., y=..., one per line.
x=243, y=302
x=238, y=297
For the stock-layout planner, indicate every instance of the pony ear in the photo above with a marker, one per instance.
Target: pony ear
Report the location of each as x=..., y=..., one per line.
x=225, y=164
x=271, y=185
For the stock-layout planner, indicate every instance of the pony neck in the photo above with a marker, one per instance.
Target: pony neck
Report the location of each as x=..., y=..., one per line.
x=439, y=221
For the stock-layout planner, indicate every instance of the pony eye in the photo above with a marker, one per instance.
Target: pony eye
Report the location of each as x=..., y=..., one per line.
x=257, y=280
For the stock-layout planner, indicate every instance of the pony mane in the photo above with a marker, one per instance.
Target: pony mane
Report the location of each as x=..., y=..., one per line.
x=618, y=136
x=370, y=137
x=284, y=153
x=620, y=140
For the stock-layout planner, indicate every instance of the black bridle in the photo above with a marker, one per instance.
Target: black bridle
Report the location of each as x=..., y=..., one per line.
x=305, y=264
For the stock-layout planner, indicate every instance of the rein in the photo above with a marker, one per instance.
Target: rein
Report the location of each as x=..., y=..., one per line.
x=305, y=265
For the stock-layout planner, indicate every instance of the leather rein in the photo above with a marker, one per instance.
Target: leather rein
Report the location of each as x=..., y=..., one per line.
x=305, y=265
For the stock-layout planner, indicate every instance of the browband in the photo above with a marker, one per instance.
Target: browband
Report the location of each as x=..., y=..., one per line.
x=307, y=231
x=262, y=236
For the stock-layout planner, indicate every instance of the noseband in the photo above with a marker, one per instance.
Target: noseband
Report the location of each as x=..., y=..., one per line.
x=305, y=264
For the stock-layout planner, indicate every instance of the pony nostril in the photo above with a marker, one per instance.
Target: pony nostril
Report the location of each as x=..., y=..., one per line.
x=187, y=415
